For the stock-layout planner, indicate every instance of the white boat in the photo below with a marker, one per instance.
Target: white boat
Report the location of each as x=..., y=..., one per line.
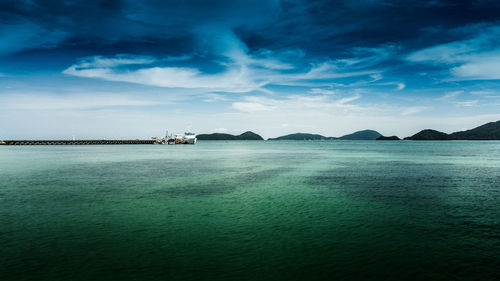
x=190, y=138
x=186, y=138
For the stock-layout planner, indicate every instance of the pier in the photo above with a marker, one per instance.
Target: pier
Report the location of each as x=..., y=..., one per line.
x=74, y=142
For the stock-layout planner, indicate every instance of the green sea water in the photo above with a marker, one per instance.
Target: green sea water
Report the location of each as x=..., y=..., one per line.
x=299, y=210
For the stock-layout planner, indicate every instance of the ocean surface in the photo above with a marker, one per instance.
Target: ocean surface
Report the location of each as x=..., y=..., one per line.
x=298, y=210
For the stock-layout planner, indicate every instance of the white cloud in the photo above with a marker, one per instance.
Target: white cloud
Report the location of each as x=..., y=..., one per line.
x=119, y=116
x=414, y=110
x=473, y=59
x=252, y=106
x=346, y=100
x=321, y=91
x=219, y=130
x=376, y=77
x=214, y=98
x=482, y=92
x=117, y=60
x=328, y=70
x=242, y=74
x=479, y=69
x=447, y=53
x=368, y=57
x=296, y=103
x=74, y=101
x=451, y=95
x=244, y=71
x=401, y=86
x=467, y=103
x=236, y=79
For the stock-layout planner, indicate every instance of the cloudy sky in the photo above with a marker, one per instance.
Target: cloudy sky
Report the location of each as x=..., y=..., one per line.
x=132, y=69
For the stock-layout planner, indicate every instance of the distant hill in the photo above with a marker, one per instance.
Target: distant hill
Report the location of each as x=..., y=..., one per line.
x=220, y=136
x=488, y=131
x=359, y=135
x=362, y=135
x=428, y=135
x=388, y=138
x=301, y=136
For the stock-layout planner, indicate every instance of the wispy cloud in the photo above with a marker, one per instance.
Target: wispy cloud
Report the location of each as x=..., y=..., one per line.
x=235, y=79
x=472, y=59
x=240, y=75
x=117, y=60
x=347, y=100
x=252, y=106
x=295, y=103
x=242, y=70
x=479, y=68
x=467, y=103
x=399, y=85
x=363, y=57
x=454, y=98
x=326, y=70
x=219, y=130
x=451, y=95
x=414, y=110
x=482, y=93
x=74, y=101
x=321, y=91
x=214, y=98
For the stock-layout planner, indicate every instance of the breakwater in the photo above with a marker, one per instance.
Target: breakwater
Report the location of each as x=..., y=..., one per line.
x=73, y=142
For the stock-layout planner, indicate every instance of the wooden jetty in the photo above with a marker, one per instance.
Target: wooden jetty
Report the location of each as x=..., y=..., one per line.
x=74, y=142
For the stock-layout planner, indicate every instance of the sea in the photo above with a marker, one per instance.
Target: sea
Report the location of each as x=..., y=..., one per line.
x=251, y=210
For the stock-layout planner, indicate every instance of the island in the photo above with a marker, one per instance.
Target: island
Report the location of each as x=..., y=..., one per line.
x=429, y=134
x=248, y=135
x=301, y=136
x=488, y=131
x=359, y=135
x=362, y=135
x=391, y=138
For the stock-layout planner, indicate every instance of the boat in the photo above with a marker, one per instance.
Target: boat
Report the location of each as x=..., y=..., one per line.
x=179, y=139
x=190, y=138
x=186, y=138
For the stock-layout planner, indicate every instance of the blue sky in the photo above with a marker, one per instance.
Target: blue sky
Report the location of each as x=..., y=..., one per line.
x=132, y=69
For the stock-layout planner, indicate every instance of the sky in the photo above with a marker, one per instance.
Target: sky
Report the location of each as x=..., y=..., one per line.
x=133, y=69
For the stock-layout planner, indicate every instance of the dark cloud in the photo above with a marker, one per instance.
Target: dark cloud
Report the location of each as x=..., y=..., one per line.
x=319, y=28
x=328, y=27
x=106, y=22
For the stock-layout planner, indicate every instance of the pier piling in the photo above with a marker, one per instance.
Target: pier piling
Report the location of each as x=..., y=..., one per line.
x=74, y=142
